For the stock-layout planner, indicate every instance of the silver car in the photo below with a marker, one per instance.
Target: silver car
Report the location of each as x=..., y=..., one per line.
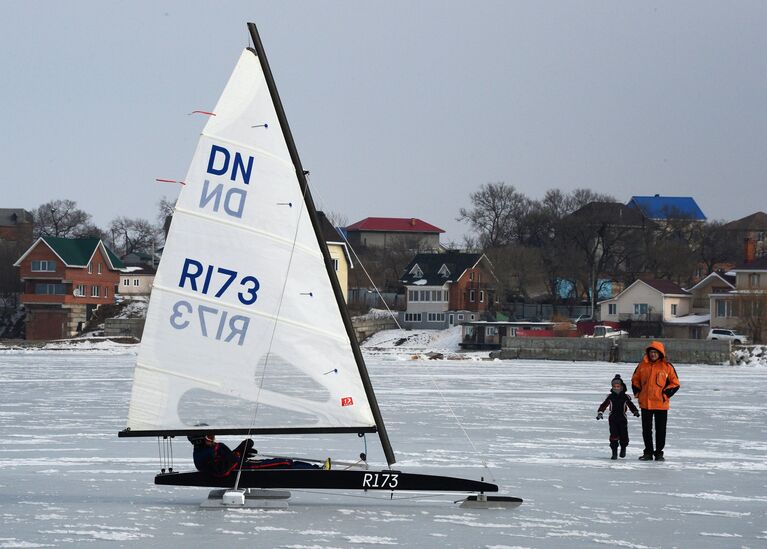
x=731, y=335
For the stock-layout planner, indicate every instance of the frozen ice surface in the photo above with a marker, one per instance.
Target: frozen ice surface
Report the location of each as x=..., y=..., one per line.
x=66, y=480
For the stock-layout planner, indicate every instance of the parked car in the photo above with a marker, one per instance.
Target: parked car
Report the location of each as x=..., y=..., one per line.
x=731, y=335
x=608, y=331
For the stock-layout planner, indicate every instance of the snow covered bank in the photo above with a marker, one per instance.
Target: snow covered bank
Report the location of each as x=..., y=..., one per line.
x=752, y=355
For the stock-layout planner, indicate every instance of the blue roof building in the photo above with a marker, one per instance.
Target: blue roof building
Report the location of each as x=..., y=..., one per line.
x=662, y=208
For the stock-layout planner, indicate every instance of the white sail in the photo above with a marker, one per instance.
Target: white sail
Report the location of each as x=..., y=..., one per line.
x=243, y=328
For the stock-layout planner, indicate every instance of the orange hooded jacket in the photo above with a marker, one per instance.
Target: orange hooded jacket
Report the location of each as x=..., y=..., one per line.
x=654, y=383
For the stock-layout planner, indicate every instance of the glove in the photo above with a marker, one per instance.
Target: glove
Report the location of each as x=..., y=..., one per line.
x=599, y=415
x=636, y=414
x=669, y=392
x=249, y=454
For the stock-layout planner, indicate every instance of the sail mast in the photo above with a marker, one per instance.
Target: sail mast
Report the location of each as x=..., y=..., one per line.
x=312, y=211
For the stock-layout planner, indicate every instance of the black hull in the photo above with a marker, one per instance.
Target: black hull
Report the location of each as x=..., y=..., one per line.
x=329, y=480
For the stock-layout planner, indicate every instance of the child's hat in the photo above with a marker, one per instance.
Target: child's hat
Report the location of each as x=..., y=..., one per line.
x=617, y=379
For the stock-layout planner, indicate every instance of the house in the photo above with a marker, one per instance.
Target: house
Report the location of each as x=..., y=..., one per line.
x=16, y=226
x=745, y=307
x=654, y=308
x=63, y=281
x=387, y=232
x=482, y=334
x=339, y=252
x=714, y=283
x=136, y=280
x=664, y=208
x=752, y=232
x=447, y=289
x=140, y=258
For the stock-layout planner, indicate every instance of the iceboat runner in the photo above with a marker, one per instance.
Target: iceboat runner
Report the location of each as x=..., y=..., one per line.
x=247, y=330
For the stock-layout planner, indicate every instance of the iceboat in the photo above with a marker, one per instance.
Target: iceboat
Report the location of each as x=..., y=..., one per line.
x=247, y=330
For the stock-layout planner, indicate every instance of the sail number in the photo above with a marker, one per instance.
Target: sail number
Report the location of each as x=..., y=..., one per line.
x=380, y=480
x=213, y=322
x=209, y=279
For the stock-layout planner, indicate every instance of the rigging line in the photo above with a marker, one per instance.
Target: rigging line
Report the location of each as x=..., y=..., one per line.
x=274, y=331
x=460, y=425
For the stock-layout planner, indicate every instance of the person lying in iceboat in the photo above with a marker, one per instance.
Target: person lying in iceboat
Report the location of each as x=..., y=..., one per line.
x=216, y=459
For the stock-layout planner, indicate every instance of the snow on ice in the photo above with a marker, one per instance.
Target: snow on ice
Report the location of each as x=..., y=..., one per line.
x=67, y=480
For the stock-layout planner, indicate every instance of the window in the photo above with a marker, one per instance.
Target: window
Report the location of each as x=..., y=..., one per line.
x=472, y=317
x=90, y=268
x=106, y=291
x=424, y=295
x=444, y=271
x=612, y=308
x=416, y=271
x=725, y=308
x=136, y=282
x=435, y=317
x=460, y=317
x=452, y=319
x=50, y=289
x=335, y=264
x=80, y=290
x=99, y=268
x=471, y=275
x=436, y=295
x=412, y=317
x=673, y=309
x=641, y=308
x=491, y=330
x=44, y=266
x=753, y=280
x=444, y=295
x=94, y=291
x=126, y=282
x=481, y=296
x=471, y=296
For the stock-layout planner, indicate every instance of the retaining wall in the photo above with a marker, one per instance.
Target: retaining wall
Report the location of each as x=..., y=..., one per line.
x=116, y=327
x=558, y=348
x=366, y=327
x=680, y=351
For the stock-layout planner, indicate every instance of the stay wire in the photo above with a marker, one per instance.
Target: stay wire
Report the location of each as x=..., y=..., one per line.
x=428, y=369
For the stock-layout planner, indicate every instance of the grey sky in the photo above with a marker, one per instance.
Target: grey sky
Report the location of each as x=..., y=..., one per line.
x=398, y=108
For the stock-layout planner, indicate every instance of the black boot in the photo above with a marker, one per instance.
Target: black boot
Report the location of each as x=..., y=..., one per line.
x=659, y=456
x=647, y=456
x=623, y=452
x=615, y=453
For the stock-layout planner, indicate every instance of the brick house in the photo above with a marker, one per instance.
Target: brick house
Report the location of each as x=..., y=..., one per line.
x=63, y=281
x=386, y=232
x=447, y=289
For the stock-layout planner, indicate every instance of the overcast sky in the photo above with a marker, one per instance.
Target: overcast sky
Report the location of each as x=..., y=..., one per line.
x=399, y=109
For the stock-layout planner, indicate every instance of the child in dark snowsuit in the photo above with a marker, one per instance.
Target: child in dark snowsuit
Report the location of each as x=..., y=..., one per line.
x=618, y=402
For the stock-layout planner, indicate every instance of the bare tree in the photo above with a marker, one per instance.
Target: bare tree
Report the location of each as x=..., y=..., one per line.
x=337, y=219
x=714, y=244
x=133, y=235
x=752, y=308
x=62, y=218
x=496, y=216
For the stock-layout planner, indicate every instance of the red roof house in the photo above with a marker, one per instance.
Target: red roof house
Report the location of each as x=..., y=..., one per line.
x=383, y=232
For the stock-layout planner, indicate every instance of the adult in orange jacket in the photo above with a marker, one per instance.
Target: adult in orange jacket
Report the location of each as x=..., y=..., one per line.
x=654, y=383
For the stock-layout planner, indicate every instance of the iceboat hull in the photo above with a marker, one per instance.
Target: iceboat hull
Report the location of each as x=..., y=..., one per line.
x=330, y=480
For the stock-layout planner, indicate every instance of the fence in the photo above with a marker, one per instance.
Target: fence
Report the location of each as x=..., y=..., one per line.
x=680, y=351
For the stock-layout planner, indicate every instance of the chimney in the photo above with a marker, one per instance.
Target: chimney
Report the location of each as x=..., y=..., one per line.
x=412, y=221
x=749, y=250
